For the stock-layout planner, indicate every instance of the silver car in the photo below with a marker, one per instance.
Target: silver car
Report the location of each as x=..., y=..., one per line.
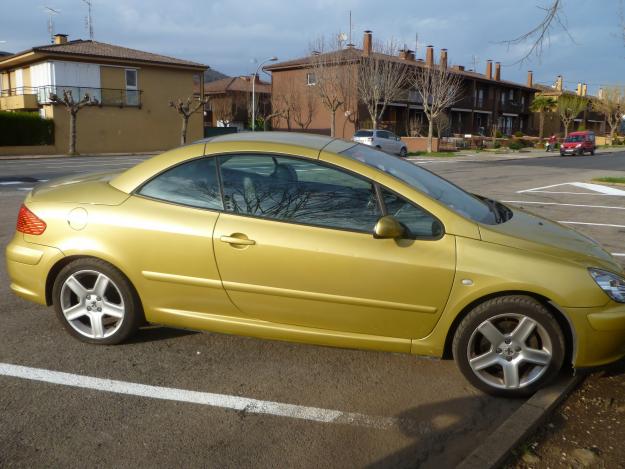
x=383, y=140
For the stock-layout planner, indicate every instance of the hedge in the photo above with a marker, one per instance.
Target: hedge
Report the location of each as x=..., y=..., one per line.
x=25, y=128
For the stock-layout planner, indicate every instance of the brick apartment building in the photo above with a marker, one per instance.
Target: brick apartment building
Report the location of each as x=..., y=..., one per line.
x=589, y=119
x=487, y=101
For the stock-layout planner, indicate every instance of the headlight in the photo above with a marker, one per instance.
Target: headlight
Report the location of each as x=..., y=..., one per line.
x=579, y=145
x=613, y=285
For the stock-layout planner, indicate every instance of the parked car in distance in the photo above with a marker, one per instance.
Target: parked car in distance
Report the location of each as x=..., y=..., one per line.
x=382, y=140
x=578, y=143
x=311, y=239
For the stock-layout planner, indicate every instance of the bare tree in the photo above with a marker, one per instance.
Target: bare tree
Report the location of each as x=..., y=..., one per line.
x=186, y=109
x=541, y=33
x=611, y=104
x=442, y=124
x=439, y=89
x=569, y=107
x=414, y=126
x=381, y=79
x=224, y=109
x=304, y=108
x=72, y=107
x=333, y=72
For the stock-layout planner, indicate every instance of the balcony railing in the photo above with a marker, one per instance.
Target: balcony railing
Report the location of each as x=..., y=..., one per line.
x=101, y=96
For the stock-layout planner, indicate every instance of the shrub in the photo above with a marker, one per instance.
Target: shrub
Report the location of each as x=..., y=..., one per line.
x=498, y=134
x=516, y=145
x=25, y=128
x=496, y=145
x=519, y=134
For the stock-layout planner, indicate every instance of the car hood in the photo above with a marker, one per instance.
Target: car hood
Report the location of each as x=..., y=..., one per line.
x=532, y=232
x=571, y=144
x=91, y=188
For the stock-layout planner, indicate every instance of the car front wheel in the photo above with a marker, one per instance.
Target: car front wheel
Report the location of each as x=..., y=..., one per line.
x=95, y=302
x=509, y=346
x=403, y=152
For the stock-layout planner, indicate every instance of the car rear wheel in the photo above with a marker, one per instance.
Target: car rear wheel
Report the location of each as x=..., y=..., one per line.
x=509, y=346
x=95, y=302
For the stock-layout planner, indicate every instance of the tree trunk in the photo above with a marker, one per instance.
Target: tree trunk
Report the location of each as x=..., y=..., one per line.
x=72, y=133
x=430, y=133
x=541, y=125
x=566, y=129
x=183, y=134
x=333, y=124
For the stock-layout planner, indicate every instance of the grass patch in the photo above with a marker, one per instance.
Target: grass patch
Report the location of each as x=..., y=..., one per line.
x=441, y=154
x=611, y=180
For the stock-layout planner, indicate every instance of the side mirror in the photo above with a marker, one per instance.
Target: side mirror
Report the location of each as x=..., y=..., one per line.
x=388, y=227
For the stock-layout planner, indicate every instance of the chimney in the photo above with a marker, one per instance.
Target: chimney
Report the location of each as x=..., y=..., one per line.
x=559, y=83
x=600, y=93
x=429, y=56
x=60, y=38
x=489, y=69
x=411, y=55
x=367, y=43
x=584, y=89
x=443, y=61
x=403, y=54
x=578, y=90
x=497, y=71
x=460, y=68
x=530, y=79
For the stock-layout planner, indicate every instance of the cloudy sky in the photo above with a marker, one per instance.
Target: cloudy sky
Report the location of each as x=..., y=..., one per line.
x=229, y=35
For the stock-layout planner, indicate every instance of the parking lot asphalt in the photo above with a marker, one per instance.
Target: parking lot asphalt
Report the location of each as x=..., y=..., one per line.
x=344, y=408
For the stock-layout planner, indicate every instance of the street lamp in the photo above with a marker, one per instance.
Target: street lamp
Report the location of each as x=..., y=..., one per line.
x=270, y=59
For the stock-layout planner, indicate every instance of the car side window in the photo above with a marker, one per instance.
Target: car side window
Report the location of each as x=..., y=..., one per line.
x=419, y=223
x=298, y=191
x=193, y=183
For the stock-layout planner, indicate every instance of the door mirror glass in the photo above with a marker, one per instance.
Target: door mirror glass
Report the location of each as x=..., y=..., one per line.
x=388, y=227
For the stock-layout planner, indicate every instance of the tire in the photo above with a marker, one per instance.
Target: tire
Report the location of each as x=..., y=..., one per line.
x=403, y=152
x=531, y=363
x=95, y=302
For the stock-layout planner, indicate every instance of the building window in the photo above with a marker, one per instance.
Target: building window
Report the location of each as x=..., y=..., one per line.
x=132, y=89
x=311, y=79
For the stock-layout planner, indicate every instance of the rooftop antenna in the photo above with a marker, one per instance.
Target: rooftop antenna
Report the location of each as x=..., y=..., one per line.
x=416, y=44
x=350, y=27
x=475, y=60
x=89, y=19
x=51, y=12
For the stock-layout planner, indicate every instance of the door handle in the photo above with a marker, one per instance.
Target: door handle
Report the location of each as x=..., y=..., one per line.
x=235, y=240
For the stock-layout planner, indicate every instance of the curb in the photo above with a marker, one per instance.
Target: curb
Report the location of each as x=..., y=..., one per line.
x=520, y=425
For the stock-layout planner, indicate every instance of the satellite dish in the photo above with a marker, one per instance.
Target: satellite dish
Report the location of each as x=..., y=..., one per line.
x=342, y=37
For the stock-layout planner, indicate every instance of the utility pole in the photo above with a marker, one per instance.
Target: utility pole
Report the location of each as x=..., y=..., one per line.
x=89, y=19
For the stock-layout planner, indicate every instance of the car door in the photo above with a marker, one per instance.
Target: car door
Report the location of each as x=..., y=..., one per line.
x=168, y=237
x=395, y=143
x=295, y=246
x=386, y=143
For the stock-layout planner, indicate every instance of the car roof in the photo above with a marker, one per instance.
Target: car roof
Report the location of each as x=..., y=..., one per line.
x=312, y=141
x=581, y=132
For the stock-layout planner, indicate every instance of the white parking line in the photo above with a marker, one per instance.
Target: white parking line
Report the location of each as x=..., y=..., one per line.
x=225, y=401
x=10, y=183
x=619, y=254
x=555, y=203
x=595, y=188
x=591, y=224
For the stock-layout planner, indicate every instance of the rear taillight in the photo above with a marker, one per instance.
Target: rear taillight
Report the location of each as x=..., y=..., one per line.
x=29, y=223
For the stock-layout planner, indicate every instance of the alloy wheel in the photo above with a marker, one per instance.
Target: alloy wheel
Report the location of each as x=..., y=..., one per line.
x=92, y=304
x=509, y=351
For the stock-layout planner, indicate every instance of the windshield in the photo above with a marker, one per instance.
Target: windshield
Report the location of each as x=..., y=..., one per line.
x=364, y=133
x=574, y=138
x=436, y=187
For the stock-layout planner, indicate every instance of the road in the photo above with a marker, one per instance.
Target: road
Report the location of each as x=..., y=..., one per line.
x=410, y=411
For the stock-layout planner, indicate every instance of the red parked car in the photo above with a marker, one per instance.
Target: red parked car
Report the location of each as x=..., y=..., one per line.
x=578, y=143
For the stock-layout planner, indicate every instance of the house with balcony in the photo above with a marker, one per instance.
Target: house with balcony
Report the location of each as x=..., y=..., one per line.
x=130, y=89
x=487, y=103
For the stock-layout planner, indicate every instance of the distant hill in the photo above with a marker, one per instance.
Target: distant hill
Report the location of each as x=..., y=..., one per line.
x=213, y=75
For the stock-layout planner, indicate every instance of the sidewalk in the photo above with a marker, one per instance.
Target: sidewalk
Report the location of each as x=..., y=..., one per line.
x=527, y=153
x=86, y=155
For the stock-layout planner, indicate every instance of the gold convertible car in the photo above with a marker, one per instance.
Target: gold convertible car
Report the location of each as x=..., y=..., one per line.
x=319, y=240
